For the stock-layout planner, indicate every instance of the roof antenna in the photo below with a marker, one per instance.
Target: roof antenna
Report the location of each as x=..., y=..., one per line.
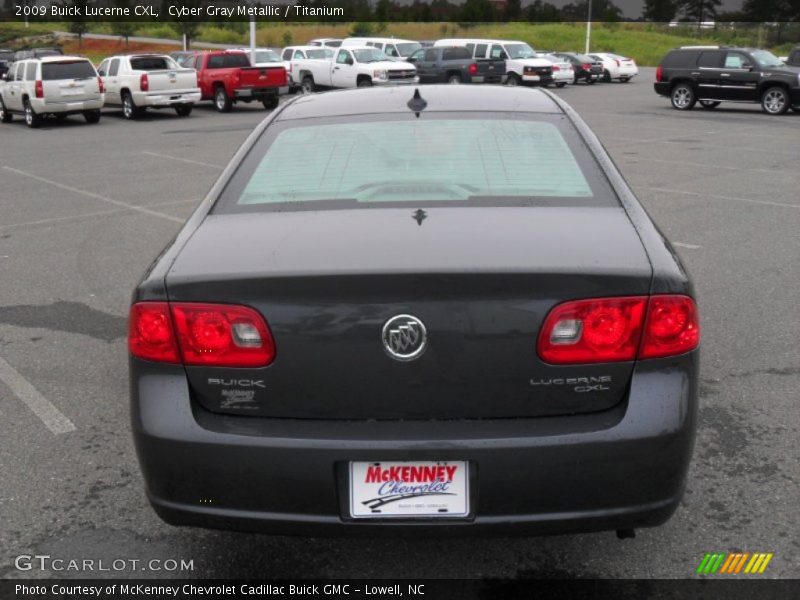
x=417, y=103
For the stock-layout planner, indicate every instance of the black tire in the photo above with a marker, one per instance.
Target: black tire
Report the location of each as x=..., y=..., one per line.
x=607, y=76
x=183, y=110
x=92, y=116
x=710, y=104
x=624, y=79
x=365, y=82
x=307, y=85
x=129, y=109
x=575, y=79
x=454, y=79
x=222, y=101
x=32, y=120
x=682, y=96
x=512, y=80
x=775, y=101
x=591, y=81
x=561, y=84
x=271, y=103
x=5, y=116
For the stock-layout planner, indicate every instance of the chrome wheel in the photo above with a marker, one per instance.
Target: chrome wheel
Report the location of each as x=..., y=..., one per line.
x=454, y=80
x=775, y=101
x=683, y=97
x=512, y=80
x=307, y=86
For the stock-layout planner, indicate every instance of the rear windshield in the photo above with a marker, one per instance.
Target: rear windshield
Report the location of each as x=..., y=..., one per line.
x=443, y=159
x=152, y=63
x=228, y=61
x=77, y=69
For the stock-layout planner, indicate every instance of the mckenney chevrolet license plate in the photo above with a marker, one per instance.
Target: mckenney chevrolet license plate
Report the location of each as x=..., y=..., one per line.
x=409, y=489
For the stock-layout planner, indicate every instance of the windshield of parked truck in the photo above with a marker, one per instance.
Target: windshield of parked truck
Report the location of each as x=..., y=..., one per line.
x=450, y=159
x=321, y=54
x=369, y=55
x=407, y=48
x=519, y=51
x=267, y=56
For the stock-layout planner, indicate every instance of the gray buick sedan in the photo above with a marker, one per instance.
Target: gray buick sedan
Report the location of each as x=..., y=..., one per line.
x=416, y=310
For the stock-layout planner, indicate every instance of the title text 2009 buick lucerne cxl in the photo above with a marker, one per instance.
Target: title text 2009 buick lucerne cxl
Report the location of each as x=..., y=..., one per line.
x=416, y=310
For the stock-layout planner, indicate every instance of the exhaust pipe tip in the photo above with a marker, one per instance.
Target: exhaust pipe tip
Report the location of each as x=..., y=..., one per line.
x=623, y=534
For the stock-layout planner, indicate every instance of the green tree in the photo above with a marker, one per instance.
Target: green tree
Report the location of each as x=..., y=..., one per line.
x=540, y=11
x=124, y=29
x=76, y=24
x=513, y=10
x=288, y=38
x=188, y=27
x=698, y=11
x=477, y=11
x=661, y=11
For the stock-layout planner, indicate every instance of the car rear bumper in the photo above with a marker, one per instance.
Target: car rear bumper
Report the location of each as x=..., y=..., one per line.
x=619, y=469
x=65, y=107
x=661, y=88
x=166, y=99
x=257, y=93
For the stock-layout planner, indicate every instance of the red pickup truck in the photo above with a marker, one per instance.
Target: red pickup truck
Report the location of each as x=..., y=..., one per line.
x=227, y=77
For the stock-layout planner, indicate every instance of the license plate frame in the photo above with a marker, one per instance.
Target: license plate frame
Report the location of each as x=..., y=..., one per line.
x=452, y=502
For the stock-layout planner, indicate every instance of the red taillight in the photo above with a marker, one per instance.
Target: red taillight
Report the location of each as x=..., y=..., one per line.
x=672, y=327
x=217, y=335
x=616, y=61
x=101, y=86
x=556, y=68
x=659, y=74
x=619, y=329
x=473, y=69
x=586, y=67
x=150, y=333
x=39, y=88
x=144, y=83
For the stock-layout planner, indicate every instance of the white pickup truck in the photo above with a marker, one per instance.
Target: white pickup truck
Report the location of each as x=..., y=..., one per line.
x=141, y=81
x=352, y=67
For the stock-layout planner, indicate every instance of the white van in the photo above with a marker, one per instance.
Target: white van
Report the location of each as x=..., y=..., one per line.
x=522, y=64
x=394, y=48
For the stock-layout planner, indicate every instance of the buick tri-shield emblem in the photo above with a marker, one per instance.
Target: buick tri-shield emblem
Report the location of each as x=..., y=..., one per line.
x=404, y=337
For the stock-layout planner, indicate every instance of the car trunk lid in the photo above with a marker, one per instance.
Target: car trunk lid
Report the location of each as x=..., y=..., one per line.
x=481, y=280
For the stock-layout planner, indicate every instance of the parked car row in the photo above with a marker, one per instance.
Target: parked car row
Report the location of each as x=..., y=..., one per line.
x=53, y=85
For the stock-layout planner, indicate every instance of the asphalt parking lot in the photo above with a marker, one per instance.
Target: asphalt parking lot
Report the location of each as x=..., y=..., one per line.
x=85, y=208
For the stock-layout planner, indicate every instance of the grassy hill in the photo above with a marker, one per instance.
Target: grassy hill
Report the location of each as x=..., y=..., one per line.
x=645, y=42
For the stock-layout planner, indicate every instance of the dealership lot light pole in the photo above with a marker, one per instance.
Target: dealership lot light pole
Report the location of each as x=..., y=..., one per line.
x=588, y=28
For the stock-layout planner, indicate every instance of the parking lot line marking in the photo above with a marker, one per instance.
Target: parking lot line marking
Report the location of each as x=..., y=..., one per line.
x=69, y=188
x=718, y=197
x=100, y=213
x=53, y=418
x=186, y=160
x=699, y=165
x=689, y=246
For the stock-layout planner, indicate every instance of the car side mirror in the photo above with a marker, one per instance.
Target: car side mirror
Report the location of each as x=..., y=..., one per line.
x=350, y=62
x=101, y=73
x=411, y=59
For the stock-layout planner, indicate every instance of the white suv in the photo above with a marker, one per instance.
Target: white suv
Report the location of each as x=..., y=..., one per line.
x=52, y=85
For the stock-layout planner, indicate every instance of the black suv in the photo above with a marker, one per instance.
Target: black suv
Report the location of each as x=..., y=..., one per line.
x=712, y=74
